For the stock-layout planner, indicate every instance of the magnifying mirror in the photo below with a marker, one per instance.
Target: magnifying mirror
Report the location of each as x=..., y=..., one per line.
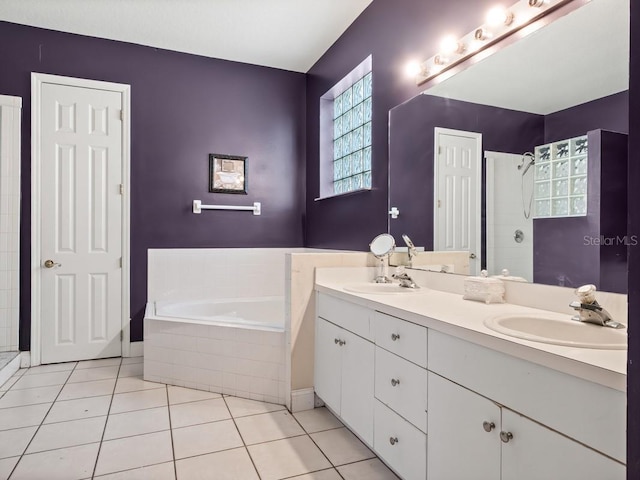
x=382, y=247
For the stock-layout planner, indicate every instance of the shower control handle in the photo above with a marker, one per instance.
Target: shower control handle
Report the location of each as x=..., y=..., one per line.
x=518, y=236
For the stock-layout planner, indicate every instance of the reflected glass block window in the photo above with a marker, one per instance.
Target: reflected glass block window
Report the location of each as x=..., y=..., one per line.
x=352, y=137
x=560, y=178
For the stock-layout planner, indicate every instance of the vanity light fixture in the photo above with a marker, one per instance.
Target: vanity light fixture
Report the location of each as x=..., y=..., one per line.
x=501, y=22
x=440, y=60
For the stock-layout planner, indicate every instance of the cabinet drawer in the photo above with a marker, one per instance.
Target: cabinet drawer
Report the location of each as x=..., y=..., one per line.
x=351, y=317
x=402, y=386
x=403, y=338
x=590, y=413
x=401, y=445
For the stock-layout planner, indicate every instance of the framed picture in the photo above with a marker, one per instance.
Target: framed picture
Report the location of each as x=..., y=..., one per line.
x=227, y=174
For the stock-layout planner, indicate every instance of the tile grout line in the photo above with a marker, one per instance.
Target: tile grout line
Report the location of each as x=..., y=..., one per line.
x=173, y=447
x=318, y=446
x=41, y=422
x=246, y=449
x=106, y=422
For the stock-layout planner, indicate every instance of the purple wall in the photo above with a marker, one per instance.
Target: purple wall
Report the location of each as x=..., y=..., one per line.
x=411, y=143
x=560, y=254
x=392, y=32
x=183, y=108
x=554, y=263
x=633, y=224
x=608, y=113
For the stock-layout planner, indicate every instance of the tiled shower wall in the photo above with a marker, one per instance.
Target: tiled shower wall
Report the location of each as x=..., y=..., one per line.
x=10, y=109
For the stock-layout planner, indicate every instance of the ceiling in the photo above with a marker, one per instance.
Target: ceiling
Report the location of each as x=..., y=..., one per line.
x=578, y=58
x=287, y=34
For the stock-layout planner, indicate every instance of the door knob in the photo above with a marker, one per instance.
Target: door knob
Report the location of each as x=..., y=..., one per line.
x=472, y=255
x=51, y=264
x=393, y=440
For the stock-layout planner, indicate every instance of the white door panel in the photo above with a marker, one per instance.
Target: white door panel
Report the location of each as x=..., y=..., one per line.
x=457, y=193
x=81, y=223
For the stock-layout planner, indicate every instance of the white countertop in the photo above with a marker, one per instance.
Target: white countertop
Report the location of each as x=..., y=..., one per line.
x=450, y=314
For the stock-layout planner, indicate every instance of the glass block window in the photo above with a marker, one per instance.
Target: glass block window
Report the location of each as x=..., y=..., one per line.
x=560, y=180
x=352, y=137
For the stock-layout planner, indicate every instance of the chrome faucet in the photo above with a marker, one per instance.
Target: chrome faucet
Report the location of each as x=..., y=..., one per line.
x=590, y=311
x=412, y=251
x=405, y=280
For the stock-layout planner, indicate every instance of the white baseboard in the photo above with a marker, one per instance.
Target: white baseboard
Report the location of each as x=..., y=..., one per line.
x=25, y=359
x=302, y=399
x=9, y=369
x=136, y=349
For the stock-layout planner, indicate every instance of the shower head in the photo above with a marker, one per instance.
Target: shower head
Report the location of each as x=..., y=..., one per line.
x=532, y=161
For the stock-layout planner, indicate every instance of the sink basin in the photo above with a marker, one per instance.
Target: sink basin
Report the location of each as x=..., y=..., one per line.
x=380, y=288
x=558, y=331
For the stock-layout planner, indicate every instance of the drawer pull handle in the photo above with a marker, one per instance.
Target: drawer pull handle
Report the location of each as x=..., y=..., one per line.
x=488, y=426
x=395, y=382
x=395, y=336
x=506, y=436
x=393, y=440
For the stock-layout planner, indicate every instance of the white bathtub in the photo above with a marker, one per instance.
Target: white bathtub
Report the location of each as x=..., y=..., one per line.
x=234, y=347
x=265, y=313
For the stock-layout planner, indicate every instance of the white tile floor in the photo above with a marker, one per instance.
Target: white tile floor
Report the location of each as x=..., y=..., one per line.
x=99, y=419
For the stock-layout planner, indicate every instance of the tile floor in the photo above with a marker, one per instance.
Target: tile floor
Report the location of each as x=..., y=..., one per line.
x=99, y=419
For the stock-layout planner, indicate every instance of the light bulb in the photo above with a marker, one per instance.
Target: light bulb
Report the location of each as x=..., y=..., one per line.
x=499, y=16
x=412, y=68
x=450, y=44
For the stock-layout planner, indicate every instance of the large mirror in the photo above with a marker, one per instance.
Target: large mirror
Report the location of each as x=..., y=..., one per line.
x=521, y=158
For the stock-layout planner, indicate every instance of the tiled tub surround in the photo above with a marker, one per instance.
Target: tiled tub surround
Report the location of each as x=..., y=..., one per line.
x=215, y=321
x=246, y=361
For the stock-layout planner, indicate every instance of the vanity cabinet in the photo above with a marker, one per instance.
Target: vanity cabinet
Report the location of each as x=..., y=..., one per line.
x=496, y=442
x=344, y=362
x=434, y=406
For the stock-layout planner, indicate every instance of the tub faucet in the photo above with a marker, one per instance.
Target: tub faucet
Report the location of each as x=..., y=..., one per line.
x=590, y=311
x=405, y=280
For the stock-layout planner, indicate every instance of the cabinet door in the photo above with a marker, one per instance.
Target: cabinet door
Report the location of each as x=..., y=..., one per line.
x=458, y=446
x=327, y=368
x=357, y=385
x=536, y=453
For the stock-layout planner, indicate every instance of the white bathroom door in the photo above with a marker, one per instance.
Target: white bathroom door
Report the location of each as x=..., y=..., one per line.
x=457, y=190
x=81, y=208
